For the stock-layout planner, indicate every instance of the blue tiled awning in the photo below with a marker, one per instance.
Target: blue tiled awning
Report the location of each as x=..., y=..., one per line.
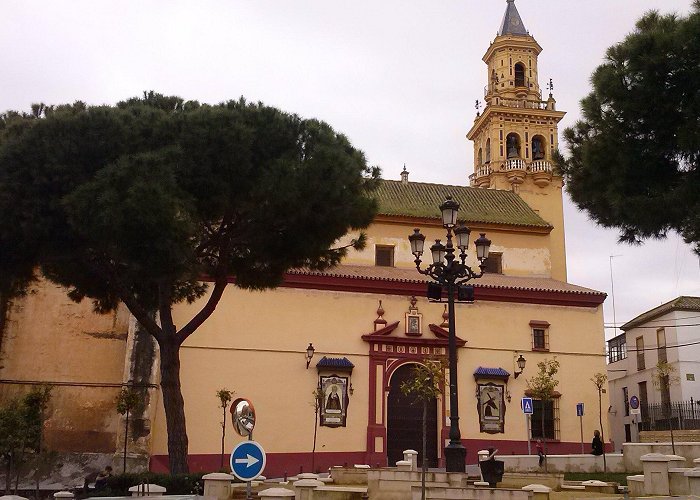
x=341, y=364
x=483, y=372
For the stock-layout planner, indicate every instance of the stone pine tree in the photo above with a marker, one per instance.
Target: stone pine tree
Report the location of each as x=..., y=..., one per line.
x=427, y=382
x=541, y=387
x=663, y=377
x=224, y=396
x=600, y=381
x=633, y=161
x=128, y=401
x=157, y=201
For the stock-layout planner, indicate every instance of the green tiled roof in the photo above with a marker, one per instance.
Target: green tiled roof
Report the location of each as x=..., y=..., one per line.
x=682, y=303
x=419, y=199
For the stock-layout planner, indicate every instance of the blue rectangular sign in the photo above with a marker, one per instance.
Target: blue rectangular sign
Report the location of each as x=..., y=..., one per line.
x=579, y=409
x=526, y=405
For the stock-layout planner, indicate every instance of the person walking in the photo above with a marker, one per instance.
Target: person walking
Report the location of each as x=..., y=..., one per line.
x=596, y=444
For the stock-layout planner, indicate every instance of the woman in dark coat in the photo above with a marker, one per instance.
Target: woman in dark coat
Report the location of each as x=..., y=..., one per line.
x=597, y=444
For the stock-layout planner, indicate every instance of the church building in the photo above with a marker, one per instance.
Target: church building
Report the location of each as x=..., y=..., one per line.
x=352, y=334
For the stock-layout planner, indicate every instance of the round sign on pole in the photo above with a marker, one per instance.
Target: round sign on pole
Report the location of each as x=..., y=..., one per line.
x=247, y=460
x=634, y=402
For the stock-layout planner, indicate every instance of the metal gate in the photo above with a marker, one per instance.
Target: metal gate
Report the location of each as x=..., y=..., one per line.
x=404, y=422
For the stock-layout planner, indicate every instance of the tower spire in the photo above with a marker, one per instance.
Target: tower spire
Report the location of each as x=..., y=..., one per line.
x=512, y=23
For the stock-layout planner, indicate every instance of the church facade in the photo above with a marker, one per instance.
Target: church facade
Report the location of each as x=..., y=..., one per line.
x=369, y=321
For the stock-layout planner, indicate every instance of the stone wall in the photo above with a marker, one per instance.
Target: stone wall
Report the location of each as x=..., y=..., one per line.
x=665, y=436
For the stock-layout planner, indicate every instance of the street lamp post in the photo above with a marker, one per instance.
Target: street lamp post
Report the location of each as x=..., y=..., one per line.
x=451, y=271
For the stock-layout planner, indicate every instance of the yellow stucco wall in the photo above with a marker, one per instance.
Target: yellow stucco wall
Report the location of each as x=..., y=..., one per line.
x=50, y=339
x=524, y=253
x=255, y=343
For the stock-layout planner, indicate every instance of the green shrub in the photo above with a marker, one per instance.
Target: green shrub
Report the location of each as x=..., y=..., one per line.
x=181, y=484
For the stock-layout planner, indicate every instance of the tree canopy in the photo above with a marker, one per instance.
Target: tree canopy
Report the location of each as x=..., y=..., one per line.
x=634, y=154
x=157, y=200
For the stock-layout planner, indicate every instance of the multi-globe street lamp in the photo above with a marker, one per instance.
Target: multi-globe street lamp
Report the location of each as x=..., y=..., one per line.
x=451, y=271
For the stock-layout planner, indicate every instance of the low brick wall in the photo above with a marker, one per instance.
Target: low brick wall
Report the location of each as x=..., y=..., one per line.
x=687, y=436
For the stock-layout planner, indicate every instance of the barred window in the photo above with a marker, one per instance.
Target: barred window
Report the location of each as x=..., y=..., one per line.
x=549, y=410
x=540, y=335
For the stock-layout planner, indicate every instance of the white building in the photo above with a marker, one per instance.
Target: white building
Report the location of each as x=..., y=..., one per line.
x=671, y=333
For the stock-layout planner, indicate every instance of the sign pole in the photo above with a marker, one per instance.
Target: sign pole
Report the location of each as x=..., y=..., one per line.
x=528, y=424
x=581, y=419
x=249, y=484
x=526, y=405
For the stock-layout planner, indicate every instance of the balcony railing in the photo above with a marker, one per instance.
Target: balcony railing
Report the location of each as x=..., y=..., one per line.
x=483, y=171
x=541, y=166
x=515, y=164
x=521, y=103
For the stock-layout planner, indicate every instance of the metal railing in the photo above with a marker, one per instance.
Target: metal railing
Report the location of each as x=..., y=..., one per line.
x=682, y=415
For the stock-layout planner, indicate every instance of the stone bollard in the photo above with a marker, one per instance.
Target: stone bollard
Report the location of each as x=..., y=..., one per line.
x=693, y=476
x=655, y=467
x=404, y=465
x=411, y=456
x=63, y=494
x=307, y=475
x=304, y=488
x=276, y=494
x=539, y=491
x=217, y=485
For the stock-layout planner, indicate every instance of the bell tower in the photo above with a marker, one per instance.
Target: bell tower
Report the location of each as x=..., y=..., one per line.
x=516, y=135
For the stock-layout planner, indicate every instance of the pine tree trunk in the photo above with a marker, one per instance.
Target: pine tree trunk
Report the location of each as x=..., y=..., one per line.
x=8, y=474
x=174, y=405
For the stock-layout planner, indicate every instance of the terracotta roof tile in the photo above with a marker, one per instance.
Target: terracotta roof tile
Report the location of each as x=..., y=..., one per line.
x=682, y=303
x=492, y=206
x=410, y=275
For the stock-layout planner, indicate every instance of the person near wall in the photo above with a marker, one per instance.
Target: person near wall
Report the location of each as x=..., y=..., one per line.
x=596, y=444
x=540, y=451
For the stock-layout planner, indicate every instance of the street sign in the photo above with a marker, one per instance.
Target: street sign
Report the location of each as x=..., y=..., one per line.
x=247, y=460
x=579, y=409
x=634, y=406
x=526, y=405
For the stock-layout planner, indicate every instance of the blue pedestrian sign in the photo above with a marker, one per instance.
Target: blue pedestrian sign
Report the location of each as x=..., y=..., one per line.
x=579, y=409
x=247, y=460
x=526, y=405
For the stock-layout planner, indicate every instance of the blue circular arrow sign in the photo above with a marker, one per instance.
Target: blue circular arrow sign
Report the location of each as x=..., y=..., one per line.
x=247, y=460
x=634, y=402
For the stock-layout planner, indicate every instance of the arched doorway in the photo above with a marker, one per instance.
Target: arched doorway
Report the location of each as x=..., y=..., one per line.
x=404, y=422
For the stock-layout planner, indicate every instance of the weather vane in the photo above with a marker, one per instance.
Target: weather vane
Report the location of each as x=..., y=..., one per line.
x=477, y=105
x=550, y=87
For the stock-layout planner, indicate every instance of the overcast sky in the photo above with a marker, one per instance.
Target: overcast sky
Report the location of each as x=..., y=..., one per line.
x=398, y=77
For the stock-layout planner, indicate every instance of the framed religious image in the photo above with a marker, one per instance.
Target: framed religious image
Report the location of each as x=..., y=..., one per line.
x=334, y=400
x=491, y=407
x=414, y=324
